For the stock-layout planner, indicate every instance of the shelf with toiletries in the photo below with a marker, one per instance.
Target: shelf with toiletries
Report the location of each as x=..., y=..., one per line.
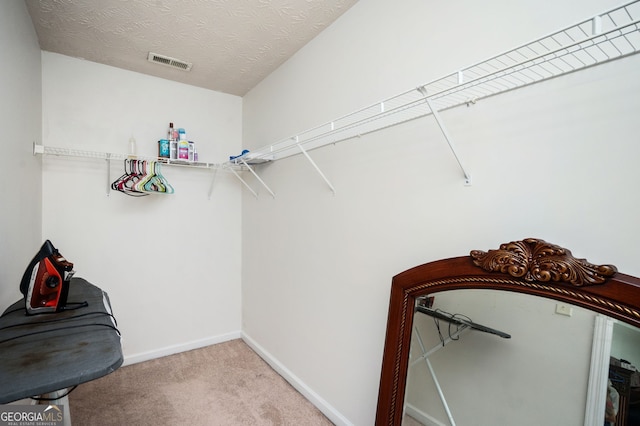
x=142, y=173
x=71, y=152
x=176, y=150
x=144, y=166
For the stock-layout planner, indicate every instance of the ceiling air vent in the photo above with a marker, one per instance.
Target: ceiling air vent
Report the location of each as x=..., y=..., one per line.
x=170, y=62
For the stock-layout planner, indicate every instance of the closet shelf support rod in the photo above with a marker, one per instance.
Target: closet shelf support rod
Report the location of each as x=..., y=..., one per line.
x=257, y=177
x=108, y=159
x=443, y=129
x=315, y=166
x=244, y=183
x=213, y=180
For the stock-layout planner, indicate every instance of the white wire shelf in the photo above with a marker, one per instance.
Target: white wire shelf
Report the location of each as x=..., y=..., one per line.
x=611, y=35
x=109, y=156
x=69, y=152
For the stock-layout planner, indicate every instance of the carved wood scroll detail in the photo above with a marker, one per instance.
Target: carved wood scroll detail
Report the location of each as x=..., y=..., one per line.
x=536, y=260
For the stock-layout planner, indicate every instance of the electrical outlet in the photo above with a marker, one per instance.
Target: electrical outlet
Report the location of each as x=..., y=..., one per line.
x=562, y=309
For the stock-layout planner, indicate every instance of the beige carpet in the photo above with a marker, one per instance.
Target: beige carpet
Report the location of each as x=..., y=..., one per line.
x=224, y=384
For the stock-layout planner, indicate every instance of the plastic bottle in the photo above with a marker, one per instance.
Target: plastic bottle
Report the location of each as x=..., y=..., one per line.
x=183, y=150
x=163, y=148
x=173, y=142
x=192, y=151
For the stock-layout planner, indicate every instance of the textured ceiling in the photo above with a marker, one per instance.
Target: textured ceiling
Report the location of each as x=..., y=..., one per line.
x=233, y=44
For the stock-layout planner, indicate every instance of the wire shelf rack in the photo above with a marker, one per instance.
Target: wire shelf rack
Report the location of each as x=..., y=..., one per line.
x=69, y=152
x=611, y=35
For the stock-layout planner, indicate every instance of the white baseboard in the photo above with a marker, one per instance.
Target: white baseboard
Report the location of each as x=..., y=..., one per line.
x=170, y=350
x=421, y=416
x=322, y=405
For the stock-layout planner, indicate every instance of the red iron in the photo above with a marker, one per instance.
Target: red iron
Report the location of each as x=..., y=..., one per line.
x=45, y=283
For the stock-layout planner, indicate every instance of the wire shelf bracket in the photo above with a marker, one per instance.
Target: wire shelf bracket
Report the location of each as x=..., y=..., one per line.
x=108, y=160
x=315, y=166
x=445, y=133
x=255, y=194
x=253, y=172
x=213, y=180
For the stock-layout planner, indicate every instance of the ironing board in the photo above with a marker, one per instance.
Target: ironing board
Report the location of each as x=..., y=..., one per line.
x=48, y=353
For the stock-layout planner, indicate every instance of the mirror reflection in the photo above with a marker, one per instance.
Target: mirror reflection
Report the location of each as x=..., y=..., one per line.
x=623, y=396
x=530, y=364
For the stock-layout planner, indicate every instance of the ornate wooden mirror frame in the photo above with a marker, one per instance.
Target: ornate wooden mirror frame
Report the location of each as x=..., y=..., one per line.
x=530, y=266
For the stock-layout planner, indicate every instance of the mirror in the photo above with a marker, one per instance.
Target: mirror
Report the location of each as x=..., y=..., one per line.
x=519, y=270
x=534, y=352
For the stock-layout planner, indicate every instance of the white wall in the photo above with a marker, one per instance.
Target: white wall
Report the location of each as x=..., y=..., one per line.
x=20, y=109
x=170, y=263
x=555, y=161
